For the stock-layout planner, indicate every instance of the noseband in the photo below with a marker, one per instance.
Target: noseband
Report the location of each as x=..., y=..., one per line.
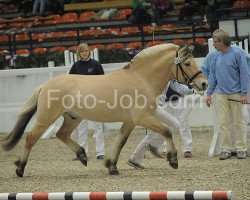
x=188, y=79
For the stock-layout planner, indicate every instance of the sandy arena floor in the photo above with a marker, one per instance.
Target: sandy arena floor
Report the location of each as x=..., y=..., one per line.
x=51, y=169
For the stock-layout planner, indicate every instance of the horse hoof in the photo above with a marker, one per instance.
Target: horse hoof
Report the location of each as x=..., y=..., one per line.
x=84, y=162
x=174, y=165
x=19, y=172
x=114, y=172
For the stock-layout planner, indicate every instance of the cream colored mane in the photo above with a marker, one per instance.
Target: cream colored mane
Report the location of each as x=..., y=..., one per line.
x=146, y=54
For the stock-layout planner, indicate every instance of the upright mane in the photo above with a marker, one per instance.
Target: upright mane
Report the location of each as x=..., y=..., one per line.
x=148, y=53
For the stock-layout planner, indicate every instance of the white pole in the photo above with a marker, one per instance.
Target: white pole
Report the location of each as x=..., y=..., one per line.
x=210, y=45
x=71, y=58
x=240, y=45
x=96, y=54
x=67, y=58
x=246, y=45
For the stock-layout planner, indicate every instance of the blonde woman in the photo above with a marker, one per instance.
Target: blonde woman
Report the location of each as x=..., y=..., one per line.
x=88, y=66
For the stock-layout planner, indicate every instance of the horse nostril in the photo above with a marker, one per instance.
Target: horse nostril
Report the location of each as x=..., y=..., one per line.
x=204, y=85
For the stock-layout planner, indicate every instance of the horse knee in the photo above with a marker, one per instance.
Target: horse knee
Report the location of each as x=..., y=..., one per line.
x=168, y=134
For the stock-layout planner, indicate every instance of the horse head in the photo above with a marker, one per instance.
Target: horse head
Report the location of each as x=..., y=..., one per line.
x=187, y=71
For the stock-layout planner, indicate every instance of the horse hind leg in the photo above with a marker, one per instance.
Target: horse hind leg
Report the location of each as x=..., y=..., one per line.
x=63, y=134
x=121, y=140
x=154, y=124
x=31, y=139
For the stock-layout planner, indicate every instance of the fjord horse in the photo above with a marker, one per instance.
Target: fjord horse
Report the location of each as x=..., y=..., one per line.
x=127, y=95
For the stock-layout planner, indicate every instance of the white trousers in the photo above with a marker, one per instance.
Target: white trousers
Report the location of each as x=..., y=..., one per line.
x=167, y=119
x=215, y=148
x=179, y=110
x=82, y=132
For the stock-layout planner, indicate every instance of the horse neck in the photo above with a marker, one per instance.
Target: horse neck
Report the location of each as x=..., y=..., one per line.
x=157, y=73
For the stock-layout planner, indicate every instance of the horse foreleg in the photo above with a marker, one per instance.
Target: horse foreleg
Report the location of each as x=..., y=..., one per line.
x=64, y=133
x=31, y=139
x=121, y=140
x=155, y=125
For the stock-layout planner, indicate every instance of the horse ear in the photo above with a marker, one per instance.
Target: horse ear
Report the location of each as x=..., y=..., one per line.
x=190, y=48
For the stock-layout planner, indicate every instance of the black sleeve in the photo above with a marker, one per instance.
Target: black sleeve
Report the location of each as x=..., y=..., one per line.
x=100, y=69
x=73, y=69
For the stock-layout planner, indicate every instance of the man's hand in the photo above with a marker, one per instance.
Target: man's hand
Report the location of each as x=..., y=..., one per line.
x=244, y=99
x=208, y=101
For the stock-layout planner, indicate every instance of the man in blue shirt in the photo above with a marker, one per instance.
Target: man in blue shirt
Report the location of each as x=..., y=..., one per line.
x=229, y=78
x=206, y=68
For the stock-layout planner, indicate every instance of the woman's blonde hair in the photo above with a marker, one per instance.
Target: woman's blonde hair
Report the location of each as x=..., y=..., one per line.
x=222, y=36
x=80, y=48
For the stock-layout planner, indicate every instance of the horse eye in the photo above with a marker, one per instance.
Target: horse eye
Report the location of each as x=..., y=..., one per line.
x=187, y=64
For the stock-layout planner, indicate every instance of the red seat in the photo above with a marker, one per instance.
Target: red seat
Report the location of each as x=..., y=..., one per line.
x=241, y=4
x=54, y=19
x=97, y=46
x=4, y=38
x=39, y=50
x=178, y=41
x=22, y=52
x=134, y=45
x=57, y=49
x=156, y=42
x=197, y=40
x=72, y=48
x=125, y=11
x=70, y=33
x=69, y=17
x=129, y=29
x=22, y=37
x=86, y=15
x=115, y=46
x=4, y=52
x=113, y=31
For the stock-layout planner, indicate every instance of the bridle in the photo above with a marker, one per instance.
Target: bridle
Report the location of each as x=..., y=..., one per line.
x=188, y=79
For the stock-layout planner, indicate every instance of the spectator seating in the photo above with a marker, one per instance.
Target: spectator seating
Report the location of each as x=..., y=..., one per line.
x=241, y=4
x=57, y=49
x=22, y=52
x=98, y=5
x=115, y=46
x=4, y=52
x=197, y=40
x=134, y=45
x=72, y=48
x=39, y=50
x=178, y=41
x=97, y=46
x=156, y=42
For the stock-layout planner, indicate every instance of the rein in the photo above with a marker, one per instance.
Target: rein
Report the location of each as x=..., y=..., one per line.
x=188, y=79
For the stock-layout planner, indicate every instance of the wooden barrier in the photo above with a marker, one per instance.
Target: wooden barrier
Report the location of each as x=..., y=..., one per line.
x=98, y=5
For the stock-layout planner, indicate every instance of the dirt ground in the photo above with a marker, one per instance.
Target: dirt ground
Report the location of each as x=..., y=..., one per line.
x=51, y=169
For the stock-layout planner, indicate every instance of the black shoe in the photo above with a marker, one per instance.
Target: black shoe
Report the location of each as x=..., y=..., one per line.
x=101, y=157
x=154, y=150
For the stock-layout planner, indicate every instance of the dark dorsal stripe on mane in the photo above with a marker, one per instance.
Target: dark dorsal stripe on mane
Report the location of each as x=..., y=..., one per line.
x=145, y=54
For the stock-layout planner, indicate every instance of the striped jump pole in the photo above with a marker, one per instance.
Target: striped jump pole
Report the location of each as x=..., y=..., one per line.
x=165, y=195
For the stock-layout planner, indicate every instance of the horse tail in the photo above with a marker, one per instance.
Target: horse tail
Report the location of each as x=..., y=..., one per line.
x=25, y=116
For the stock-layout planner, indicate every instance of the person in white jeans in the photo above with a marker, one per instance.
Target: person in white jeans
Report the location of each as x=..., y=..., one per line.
x=166, y=118
x=179, y=109
x=82, y=132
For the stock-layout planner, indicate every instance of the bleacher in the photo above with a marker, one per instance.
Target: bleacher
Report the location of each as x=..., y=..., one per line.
x=79, y=24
